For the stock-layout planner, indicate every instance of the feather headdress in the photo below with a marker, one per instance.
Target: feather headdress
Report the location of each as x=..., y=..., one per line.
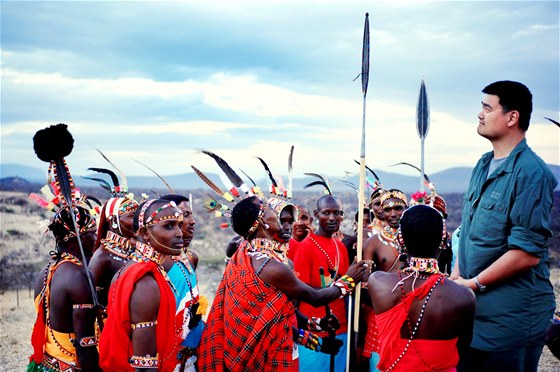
x=52, y=145
x=231, y=175
x=322, y=181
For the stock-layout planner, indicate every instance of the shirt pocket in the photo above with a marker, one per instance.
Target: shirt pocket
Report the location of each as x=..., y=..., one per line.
x=491, y=221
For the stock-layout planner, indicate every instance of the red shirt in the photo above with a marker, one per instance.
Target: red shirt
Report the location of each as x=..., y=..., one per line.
x=329, y=253
x=293, y=248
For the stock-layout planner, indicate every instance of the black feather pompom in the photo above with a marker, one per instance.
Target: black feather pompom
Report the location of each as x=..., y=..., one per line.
x=54, y=142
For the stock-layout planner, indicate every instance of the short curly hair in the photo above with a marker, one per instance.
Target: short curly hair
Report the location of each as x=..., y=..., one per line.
x=422, y=228
x=244, y=215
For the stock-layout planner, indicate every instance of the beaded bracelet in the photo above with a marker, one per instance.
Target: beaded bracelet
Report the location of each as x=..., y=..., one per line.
x=314, y=324
x=88, y=341
x=137, y=361
x=309, y=340
x=143, y=324
x=346, y=285
x=82, y=306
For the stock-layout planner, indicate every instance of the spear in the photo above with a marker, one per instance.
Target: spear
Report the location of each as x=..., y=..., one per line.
x=422, y=126
x=360, y=238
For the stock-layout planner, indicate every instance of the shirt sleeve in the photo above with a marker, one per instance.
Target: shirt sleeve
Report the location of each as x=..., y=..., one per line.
x=530, y=217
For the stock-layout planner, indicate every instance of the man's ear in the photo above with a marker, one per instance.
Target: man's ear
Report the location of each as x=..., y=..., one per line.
x=513, y=118
x=315, y=213
x=143, y=233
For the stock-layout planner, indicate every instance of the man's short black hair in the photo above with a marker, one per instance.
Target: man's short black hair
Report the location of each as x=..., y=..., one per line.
x=513, y=96
x=422, y=229
x=151, y=208
x=178, y=199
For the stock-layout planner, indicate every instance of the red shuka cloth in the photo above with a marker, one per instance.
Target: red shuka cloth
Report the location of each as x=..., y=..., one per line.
x=249, y=325
x=115, y=344
x=422, y=354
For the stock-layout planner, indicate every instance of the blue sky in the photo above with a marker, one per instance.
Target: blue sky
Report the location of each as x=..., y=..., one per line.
x=158, y=81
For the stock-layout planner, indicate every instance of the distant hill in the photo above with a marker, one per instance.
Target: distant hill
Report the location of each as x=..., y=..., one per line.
x=453, y=180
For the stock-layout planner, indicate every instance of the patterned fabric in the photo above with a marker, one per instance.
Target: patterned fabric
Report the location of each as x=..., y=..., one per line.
x=249, y=326
x=115, y=344
x=51, y=364
x=422, y=355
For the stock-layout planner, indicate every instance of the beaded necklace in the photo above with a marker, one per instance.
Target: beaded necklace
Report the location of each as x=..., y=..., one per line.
x=416, y=266
x=182, y=261
x=388, y=236
x=389, y=233
x=417, y=325
x=118, y=246
x=145, y=253
x=332, y=267
x=261, y=247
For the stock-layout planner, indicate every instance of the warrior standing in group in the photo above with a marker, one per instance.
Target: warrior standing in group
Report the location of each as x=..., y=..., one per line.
x=63, y=336
x=113, y=245
x=382, y=253
x=181, y=271
x=143, y=329
x=414, y=336
x=321, y=249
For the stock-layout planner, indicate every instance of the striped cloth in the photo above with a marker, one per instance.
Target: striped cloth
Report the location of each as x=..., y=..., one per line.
x=248, y=328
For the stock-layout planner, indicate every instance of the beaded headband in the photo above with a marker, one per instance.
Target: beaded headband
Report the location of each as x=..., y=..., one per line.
x=394, y=194
x=262, y=210
x=82, y=218
x=151, y=221
x=279, y=204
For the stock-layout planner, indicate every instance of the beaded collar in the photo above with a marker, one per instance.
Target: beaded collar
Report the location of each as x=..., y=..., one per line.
x=184, y=258
x=422, y=265
x=389, y=233
x=145, y=252
x=264, y=247
x=117, y=245
x=416, y=267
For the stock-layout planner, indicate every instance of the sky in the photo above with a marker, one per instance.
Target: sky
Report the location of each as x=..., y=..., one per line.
x=157, y=82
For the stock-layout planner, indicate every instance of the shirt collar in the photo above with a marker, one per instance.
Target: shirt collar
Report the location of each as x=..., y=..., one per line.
x=508, y=164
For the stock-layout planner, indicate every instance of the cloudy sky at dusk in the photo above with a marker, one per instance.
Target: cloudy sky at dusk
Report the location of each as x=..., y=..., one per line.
x=158, y=81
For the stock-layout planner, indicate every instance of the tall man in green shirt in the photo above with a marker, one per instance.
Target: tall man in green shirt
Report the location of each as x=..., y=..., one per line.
x=503, y=250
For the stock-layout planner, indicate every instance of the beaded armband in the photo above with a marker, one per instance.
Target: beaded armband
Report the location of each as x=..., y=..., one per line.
x=82, y=306
x=314, y=324
x=346, y=285
x=309, y=340
x=143, y=324
x=88, y=341
x=137, y=361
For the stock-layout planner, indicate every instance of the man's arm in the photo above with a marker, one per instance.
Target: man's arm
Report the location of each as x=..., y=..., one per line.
x=281, y=277
x=83, y=320
x=144, y=306
x=511, y=263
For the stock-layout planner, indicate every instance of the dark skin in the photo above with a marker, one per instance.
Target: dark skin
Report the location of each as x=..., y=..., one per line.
x=449, y=314
x=69, y=286
x=286, y=222
x=376, y=248
x=329, y=215
x=103, y=265
x=188, y=233
x=302, y=227
x=282, y=277
x=165, y=237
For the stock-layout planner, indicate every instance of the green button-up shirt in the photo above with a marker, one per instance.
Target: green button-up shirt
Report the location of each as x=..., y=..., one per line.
x=509, y=210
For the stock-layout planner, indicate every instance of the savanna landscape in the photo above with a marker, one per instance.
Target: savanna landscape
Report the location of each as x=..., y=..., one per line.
x=24, y=250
